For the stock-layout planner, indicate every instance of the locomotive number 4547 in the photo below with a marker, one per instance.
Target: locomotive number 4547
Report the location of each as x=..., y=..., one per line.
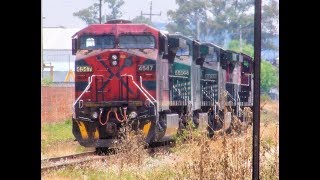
x=146, y=68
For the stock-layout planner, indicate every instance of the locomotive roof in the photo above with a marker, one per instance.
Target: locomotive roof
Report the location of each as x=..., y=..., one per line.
x=178, y=35
x=211, y=44
x=246, y=56
x=118, y=21
x=116, y=29
x=181, y=36
x=233, y=52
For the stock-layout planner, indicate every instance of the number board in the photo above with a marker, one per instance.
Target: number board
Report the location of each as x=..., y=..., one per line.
x=210, y=76
x=181, y=72
x=146, y=67
x=84, y=69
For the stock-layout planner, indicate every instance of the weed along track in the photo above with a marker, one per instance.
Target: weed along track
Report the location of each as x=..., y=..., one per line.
x=98, y=155
x=194, y=156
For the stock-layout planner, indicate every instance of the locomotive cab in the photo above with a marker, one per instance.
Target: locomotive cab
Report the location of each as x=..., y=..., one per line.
x=246, y=89
x=209, y=75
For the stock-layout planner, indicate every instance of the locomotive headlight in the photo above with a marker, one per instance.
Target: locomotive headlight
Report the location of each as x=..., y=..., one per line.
x=133, y=115
x=114, y=57
x=114, y=62
x=94, y=115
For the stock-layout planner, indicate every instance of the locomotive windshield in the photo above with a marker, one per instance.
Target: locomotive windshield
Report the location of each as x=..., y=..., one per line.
x=137, y=41
x=212, y=57
x=97, y=42
x=183, y=51
x=245, y=66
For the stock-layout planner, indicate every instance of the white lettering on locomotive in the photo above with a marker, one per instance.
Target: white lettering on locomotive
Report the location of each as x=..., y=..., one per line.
x=181, y=72
x=84, y=69
x=145, y=68
x=210, y=76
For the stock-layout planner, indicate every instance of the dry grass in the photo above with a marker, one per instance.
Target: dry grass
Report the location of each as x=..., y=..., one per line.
x=194, y=157
x=63, y=149
x=270, y=112
x=57, y=140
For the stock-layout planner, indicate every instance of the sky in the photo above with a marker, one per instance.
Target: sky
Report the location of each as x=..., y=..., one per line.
x=59, y=12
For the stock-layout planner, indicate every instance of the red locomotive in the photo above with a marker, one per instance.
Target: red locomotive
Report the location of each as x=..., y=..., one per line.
x=116, y=80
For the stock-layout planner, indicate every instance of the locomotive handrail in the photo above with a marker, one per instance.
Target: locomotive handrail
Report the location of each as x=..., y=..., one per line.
x=178, y=76
x=208, y=80
x=232, y=83
x=238, y=104
x=178, y=90
x=84, y=91
x=231, y=96
x=138, y=88
x=205, y=93
x=146, y=90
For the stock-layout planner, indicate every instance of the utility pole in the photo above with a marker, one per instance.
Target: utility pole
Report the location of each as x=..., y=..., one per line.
x=41, y=45
x=42, y=63
x=100, y=11
x=150, y=14
x=256, y=90
x=240, y=39
x=198, y=29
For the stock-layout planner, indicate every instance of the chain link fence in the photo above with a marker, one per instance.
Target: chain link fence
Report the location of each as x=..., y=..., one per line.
x=57, y=64
x=57, y=90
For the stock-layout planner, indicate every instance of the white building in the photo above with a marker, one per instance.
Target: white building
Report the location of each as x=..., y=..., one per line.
x=57, y=51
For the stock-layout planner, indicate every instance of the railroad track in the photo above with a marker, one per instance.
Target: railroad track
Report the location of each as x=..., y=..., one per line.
x=73, y=156
x=58, y=162
x=81, y=158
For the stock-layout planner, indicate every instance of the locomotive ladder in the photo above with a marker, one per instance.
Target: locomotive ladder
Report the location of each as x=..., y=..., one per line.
x=181, y=90
x=237, y=102
x=206, y=92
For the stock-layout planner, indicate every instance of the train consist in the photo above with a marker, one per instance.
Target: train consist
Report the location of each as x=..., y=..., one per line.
x=135, y=74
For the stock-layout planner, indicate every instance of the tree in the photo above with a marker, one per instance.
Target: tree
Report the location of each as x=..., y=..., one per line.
x=115, y=6
x=143, y=20
x=90, y=15
x=216, y=19
x=246, y=48
x=222, y=18
x=270, y=24
x=186, y=17
x=234, y=18
x=269, y=76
